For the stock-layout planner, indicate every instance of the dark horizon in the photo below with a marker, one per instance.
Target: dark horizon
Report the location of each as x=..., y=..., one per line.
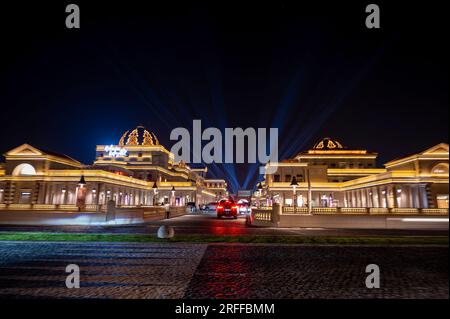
x=310, y=71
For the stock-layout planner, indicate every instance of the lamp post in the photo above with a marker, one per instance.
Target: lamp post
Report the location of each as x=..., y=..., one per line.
x=155, y=193
x=81, y=193
x=173, y=196
x=259, y=188
x=294, y=185
x=309, y=191
x=82, y=182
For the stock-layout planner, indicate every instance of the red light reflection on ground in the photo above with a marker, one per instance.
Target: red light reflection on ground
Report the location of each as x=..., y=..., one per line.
x=227, y=278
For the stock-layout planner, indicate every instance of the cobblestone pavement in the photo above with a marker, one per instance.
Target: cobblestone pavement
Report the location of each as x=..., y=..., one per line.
x=151, y=270
x=208, y=224
x=319, y=272
x=107, y=270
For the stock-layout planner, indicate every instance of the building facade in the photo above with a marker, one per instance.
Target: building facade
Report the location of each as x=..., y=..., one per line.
x=138, y=171
x=332, y=175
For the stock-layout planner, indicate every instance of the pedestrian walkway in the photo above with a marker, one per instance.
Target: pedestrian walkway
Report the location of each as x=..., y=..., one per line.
x=152, y=270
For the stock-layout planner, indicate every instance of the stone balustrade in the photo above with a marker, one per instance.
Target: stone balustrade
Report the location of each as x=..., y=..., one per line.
x=272, y=217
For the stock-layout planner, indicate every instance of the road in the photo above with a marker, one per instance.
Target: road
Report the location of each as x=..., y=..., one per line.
x=230, y=271
x=207, y=224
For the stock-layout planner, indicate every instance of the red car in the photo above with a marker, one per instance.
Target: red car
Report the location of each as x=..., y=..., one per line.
x=227, y=208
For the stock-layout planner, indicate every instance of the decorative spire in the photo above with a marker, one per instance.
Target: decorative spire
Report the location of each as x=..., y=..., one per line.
x=122, y=139
x=155, y=139
x=133, y=138
x=138, y=136
x=328, y=144
x=148, y=140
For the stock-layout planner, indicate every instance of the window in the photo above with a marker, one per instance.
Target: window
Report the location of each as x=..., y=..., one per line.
x=276, y=178
x=24, y=169
x=288, y=178
x=441, y=168
x=442, y=201
x=25, y=197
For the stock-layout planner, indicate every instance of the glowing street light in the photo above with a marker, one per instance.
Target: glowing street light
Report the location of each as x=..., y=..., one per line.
x=294, y=185
x=259, y=188
x=155, y=192
x=173, y=195
x=309, y=191
x=82, y=182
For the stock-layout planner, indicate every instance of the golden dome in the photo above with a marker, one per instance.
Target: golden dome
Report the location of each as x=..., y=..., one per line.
x=328, y=144
x=139, y=136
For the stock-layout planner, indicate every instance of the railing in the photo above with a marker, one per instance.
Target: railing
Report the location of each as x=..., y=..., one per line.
x=264, y=215
x=323, y=210
x=270, y=217
x=404, y=211
x=364, y=211
x=353, y=210
x=378, y=210
x=434, y=211
x=298, y=210
x=51, y=207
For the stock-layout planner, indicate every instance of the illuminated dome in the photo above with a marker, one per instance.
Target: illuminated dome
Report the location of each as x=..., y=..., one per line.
x=328, y=144
x=139, y=136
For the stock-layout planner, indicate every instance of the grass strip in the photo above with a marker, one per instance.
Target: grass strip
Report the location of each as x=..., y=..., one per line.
x=142, y=238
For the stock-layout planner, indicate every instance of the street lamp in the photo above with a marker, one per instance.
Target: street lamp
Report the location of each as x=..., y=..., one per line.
x=294, y=185
x=81, y=193
x=173, y=195
x=82, y=182
x=259, y=188
x=155, y=192
x=309, y=191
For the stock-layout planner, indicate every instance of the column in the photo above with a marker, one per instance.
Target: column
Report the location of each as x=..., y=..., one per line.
x=379, y=197
x=423, y=196
x=364, y=197
x=369, y=197
x=409, y=196
x=415, y=197
x=9, y=193
x=389, y=197
x=66, y=187
x=394, y=192
x=358, y=198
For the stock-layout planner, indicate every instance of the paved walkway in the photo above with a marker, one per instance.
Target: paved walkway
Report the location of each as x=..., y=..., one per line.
x=112, y=270
x=151, y=270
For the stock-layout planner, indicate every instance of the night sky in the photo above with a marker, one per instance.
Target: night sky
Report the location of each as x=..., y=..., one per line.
x=310, y=71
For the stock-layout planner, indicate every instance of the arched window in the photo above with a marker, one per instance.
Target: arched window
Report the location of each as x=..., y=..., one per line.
x=24, y=169
x=441, y=168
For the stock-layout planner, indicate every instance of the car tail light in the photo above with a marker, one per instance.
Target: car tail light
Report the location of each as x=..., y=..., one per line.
x=235, y=207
